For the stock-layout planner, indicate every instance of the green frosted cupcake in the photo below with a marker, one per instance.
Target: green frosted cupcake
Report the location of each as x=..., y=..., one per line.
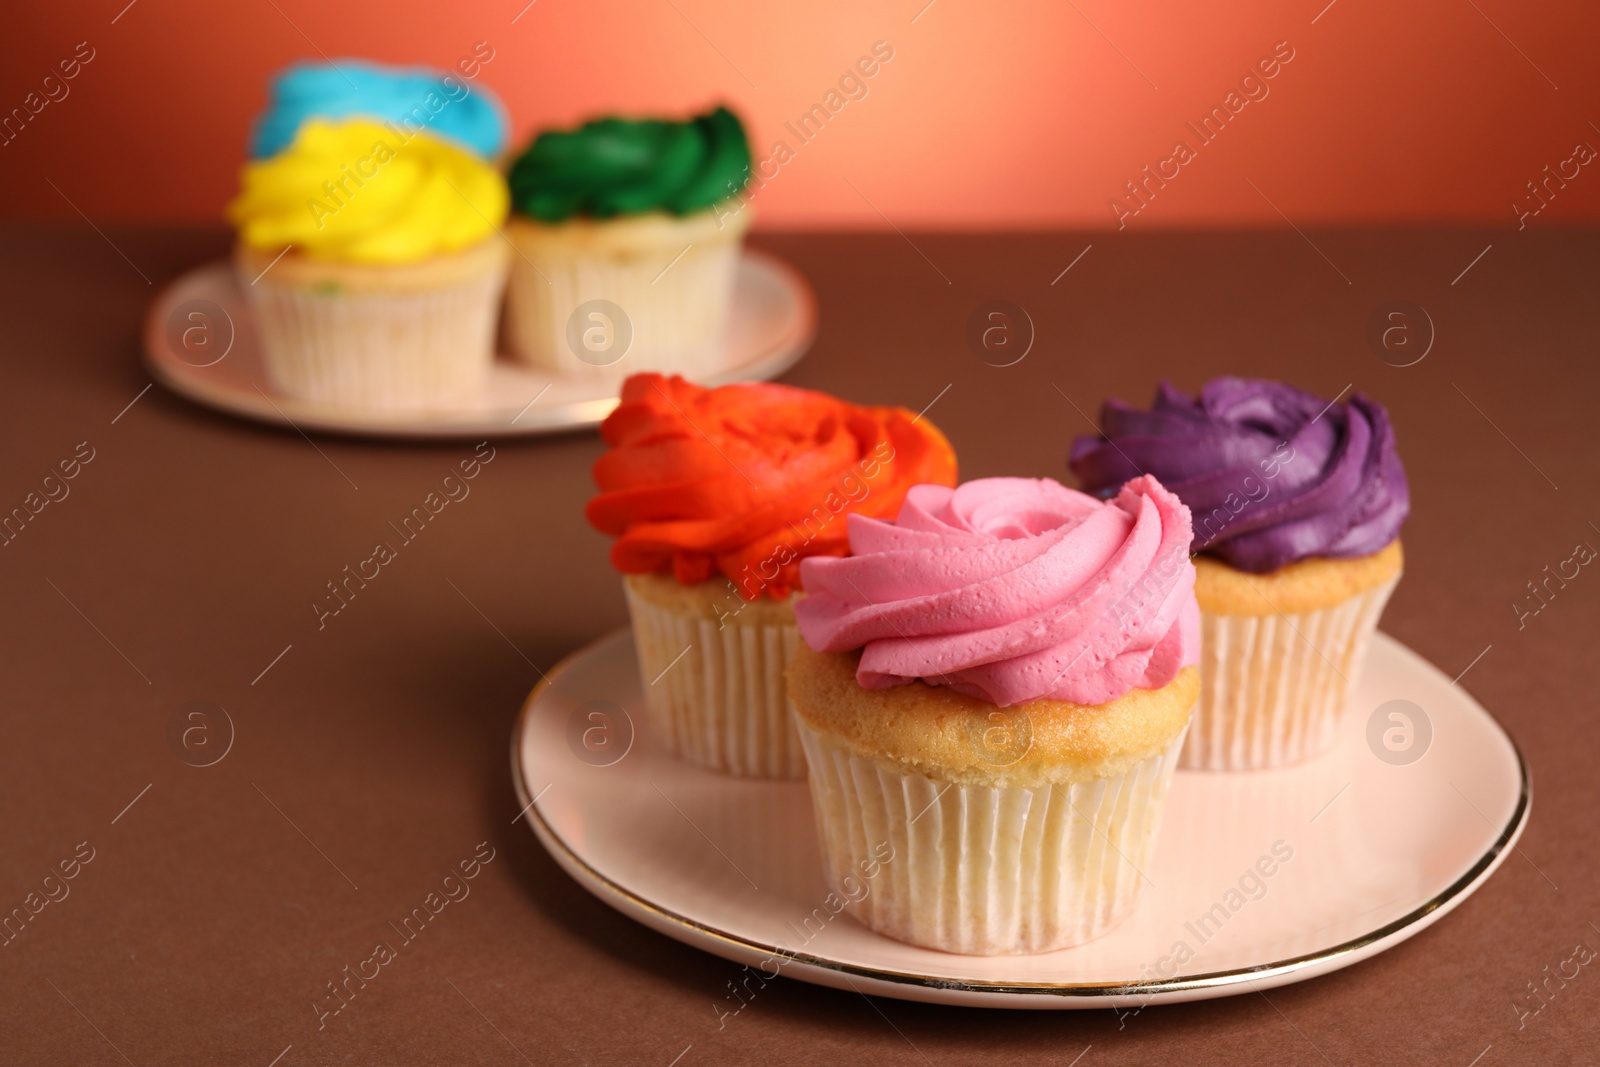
x=628, y=234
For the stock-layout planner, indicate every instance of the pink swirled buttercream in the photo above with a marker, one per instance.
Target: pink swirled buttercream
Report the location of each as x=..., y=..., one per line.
x=1013, y=589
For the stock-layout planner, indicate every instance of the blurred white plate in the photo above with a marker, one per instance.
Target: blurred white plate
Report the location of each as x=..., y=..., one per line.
x=772, y=322
x=1381, y=849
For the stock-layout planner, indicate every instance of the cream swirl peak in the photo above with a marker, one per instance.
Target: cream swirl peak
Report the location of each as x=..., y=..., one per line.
x=1272, y=473
x=1013, y=589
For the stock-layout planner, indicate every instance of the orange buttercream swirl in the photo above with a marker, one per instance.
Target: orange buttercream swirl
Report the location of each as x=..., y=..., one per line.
x=749, y=479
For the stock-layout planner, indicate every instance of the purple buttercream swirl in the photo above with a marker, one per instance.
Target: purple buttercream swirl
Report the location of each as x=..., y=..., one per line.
x=1271, y=474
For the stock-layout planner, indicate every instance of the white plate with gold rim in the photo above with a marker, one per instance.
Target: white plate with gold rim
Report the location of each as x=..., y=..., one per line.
x=214, y=359
x=1259, y=879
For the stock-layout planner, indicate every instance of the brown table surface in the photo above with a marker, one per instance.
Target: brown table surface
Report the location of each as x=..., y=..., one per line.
x=373, y=754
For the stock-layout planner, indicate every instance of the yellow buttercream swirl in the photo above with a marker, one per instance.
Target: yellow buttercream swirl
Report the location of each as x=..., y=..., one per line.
x=358, y=192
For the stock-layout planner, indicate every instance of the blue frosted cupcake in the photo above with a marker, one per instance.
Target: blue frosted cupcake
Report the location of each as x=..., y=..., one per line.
x=405, y=99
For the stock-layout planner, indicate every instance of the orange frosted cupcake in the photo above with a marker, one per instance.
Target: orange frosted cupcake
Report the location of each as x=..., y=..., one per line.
x=714, y=497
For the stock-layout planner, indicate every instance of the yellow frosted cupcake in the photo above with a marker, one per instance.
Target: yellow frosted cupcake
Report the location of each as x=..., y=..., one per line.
x=1297, y=505
x=372, y=260
x=992, y=694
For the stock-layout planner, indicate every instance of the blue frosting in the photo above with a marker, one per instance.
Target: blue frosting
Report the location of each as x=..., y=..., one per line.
x=415, y=97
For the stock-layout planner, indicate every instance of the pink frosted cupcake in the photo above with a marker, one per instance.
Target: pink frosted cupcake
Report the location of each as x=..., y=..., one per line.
x=992, y=693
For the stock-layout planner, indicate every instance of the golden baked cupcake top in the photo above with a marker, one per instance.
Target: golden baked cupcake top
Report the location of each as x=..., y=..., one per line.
x=938, y=732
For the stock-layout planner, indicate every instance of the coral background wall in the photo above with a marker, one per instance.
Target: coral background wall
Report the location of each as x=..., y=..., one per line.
x=1016, y=115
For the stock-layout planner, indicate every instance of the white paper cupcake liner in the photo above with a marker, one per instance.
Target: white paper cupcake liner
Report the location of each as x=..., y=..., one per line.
x=391, y=351
x=676, y=313
x=1272, y=687
x=717, y=697
x=985, y=870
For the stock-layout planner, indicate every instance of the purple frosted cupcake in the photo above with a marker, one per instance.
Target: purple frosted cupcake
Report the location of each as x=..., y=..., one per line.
x=1297, y=506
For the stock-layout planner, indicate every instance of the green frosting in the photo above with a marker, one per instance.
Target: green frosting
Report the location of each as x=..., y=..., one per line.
x=613, y=167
